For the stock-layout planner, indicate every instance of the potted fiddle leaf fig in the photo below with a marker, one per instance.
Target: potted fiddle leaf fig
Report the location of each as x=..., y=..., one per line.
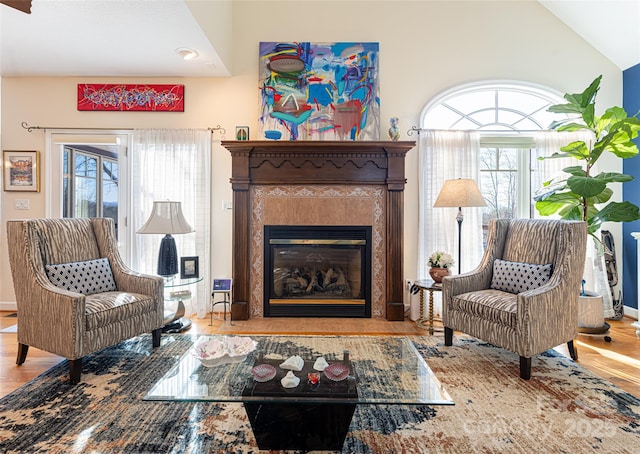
x=581, y=195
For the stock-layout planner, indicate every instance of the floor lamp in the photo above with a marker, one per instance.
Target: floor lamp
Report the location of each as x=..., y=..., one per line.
x=459, y=193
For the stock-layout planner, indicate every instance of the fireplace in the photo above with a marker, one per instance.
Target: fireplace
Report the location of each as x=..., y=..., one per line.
x=317, y=271
x=318, y=183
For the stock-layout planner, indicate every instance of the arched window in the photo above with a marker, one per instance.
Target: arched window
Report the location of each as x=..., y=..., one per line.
x=503, y=123
x=506, y=115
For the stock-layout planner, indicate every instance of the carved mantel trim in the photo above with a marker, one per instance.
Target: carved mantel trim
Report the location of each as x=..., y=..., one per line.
x=325, y=163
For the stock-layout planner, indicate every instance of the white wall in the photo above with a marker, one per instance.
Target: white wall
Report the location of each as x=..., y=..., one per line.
x=425, y=47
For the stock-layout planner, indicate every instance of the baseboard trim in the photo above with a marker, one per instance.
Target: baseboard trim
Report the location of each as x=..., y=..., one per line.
x=631, y=312
x=8, y=306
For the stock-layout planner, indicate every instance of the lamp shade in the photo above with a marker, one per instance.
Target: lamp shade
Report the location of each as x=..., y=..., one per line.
x=166, y=217
x=459, y=193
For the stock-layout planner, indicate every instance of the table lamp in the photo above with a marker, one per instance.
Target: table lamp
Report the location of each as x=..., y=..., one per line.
x=167, y=218
x=459, y=193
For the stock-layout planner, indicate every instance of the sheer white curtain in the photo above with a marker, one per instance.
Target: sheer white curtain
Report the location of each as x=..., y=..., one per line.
x=447, y=155
x=547, y=143
x=173, y=164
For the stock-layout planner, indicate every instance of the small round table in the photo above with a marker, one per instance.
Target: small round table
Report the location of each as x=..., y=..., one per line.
x=174, y=319
x=430, y=286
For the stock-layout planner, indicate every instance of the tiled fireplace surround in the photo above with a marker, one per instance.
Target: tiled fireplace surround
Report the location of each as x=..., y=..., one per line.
x=318, y=183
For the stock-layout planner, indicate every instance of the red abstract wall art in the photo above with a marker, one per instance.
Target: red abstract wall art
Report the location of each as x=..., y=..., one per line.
x=131, y=97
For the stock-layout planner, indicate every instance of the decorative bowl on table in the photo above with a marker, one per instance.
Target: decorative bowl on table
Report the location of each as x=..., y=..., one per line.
x=336, y=372
x=217, y=351
x=263, y=372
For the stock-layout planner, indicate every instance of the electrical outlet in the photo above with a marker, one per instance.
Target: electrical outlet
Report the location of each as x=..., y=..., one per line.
x=22, y=204
x=227, y=205
x=408, y=283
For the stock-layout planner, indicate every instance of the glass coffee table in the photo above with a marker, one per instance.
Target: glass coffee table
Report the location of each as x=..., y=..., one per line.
x=309, y=416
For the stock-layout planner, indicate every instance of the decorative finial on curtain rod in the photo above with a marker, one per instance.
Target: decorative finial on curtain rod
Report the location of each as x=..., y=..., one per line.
x=29, y=128
x=414, y=129
x=218, y=128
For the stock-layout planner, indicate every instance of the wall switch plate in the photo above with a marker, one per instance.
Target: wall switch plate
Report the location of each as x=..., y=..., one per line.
x=227, y=205
x=22, y=204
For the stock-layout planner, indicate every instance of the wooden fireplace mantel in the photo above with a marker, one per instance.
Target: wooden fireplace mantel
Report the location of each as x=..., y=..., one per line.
x=325, y=163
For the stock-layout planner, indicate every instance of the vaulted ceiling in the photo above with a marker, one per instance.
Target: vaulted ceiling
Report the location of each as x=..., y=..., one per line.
x=142, y=38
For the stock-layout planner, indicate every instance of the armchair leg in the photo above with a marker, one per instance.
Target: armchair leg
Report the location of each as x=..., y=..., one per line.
x=22, y=353
x=155, y=334
x=75, y=370
x=573, y=351
x=448, y=336
x=525, y=368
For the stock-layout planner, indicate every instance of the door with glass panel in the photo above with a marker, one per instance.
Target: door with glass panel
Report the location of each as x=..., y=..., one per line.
x=90, y=182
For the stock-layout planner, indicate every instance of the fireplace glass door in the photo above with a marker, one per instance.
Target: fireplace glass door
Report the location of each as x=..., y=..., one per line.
x=317, y=271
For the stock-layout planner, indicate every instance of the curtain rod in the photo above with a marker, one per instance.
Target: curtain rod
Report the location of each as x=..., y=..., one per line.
x=514, y=131
x=31, y=128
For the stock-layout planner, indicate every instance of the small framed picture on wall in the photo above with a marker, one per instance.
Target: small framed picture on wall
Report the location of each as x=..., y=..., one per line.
x=242, y=132
x=189, y=268
x=21, y=171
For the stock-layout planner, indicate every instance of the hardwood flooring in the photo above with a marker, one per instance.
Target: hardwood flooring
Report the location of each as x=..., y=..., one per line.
x=617, y=361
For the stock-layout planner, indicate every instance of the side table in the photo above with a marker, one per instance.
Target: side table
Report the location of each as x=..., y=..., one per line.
x=178, y=292
x=430, y=286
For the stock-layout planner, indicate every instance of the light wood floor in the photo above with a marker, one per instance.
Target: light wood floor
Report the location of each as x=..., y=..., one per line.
x=617, y=361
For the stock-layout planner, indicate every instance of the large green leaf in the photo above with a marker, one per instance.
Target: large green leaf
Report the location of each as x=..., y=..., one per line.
x=618, y=212
x=614, y=177
x=578, y=150
x=576, y=171
x=586, y=186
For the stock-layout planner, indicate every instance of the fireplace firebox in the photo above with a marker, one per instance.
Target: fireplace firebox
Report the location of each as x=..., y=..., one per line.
x=317, y=271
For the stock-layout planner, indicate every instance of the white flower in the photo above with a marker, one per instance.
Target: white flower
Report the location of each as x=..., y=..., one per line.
x=441, y=259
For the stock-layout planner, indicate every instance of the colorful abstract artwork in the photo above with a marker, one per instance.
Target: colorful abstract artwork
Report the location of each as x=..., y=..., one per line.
x=130, y=97
x=319, y=91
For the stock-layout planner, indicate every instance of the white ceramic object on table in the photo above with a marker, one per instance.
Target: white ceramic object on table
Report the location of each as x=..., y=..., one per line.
x=320, y=364
x=290, y=380
x=293, y=363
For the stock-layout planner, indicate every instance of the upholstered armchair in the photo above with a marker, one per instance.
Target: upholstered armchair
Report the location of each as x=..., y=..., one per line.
x=74, y=293
x=524, y=294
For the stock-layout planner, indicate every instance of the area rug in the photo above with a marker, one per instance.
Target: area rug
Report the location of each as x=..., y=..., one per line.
x=563, y=408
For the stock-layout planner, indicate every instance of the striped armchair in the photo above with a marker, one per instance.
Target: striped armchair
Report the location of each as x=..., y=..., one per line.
x=72, y=323
x=525, y=322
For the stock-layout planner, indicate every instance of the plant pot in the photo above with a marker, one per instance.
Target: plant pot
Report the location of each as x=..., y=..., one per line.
x=438, y=273
x=590, y=311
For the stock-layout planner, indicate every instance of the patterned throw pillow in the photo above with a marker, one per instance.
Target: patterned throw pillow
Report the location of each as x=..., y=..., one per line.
x=516, y=277
x=92, y=276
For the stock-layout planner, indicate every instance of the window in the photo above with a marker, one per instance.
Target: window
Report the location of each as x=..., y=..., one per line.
x=506, y=115
x=90, y=182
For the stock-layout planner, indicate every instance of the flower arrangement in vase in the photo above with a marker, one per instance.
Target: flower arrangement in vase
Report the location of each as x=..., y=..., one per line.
x=440, y=262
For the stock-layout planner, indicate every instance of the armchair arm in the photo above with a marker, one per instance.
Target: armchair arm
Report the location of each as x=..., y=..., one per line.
x=51, y=318
x=480, y=278
x=126, y=279
x=548, y=315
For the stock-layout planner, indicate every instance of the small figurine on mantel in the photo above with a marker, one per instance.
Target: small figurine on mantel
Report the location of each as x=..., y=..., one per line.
x=394, y=132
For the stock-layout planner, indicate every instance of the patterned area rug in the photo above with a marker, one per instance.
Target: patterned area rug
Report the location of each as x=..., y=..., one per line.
x=563, y=408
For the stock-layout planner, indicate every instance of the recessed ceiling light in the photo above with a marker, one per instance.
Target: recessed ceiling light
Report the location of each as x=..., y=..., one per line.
x=187, y=54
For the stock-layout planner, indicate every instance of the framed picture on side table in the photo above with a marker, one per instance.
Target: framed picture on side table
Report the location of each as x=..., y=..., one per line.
x=189, y=268
x=21, y=171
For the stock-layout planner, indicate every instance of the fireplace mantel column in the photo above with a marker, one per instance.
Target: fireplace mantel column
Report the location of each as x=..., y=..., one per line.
x=324, y=163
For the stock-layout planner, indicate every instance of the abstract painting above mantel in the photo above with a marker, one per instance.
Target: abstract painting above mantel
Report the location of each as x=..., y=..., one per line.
x=319, y=91
x=131, y=97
